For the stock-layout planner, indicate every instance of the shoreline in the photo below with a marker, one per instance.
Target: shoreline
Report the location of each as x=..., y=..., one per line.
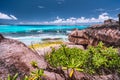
x=51, y=52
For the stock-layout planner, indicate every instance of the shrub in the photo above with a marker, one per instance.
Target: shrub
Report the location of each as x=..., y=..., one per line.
x=99, y=59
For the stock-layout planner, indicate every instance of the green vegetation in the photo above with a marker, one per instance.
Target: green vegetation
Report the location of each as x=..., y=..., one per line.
x=34, y=64
x=35, y=75
x=12, y=77
x=94, y=60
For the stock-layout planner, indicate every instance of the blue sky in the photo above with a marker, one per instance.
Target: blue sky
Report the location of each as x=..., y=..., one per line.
x=57, y=11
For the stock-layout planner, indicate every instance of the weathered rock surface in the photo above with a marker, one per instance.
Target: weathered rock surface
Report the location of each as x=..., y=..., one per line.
x=109, y=33
x=84, y=76
x=15, y=57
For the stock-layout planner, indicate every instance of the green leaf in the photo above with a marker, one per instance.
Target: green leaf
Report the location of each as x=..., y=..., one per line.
x=9, y=77
x=26, y=78
x=15, y=76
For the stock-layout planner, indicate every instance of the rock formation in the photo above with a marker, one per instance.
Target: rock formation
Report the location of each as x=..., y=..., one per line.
x=109, y=33
x=15, y=57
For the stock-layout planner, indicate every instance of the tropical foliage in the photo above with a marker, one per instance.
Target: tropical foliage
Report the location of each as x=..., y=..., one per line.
x=94, y=60
x=35, y=75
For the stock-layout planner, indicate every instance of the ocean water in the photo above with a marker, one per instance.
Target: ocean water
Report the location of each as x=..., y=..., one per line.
x=34, y=34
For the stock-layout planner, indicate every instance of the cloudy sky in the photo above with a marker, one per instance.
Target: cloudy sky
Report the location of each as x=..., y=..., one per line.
x=57, y=11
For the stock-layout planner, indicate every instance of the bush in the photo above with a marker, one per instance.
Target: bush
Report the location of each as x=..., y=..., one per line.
x=99, y=59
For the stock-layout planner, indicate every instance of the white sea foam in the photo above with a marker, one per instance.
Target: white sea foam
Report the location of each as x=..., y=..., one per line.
x=28, y=34
x=68, y=32
x=38, y=38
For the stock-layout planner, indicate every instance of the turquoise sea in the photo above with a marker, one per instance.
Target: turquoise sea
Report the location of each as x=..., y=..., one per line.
x=32, y=34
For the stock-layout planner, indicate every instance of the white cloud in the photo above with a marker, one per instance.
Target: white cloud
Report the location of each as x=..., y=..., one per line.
x=107, y=10
x=4, y=16
x=75, y=21
x=41, y=7
x=60, y=1
x=103, y=17
x=100, y=9
x=13, y=17
x=9, y=17
x=117, y=9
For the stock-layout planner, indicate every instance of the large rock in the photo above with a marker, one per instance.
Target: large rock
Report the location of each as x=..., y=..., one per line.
x=15, y=57
x=78, y=37
x=110, y=21
x=109, y=33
